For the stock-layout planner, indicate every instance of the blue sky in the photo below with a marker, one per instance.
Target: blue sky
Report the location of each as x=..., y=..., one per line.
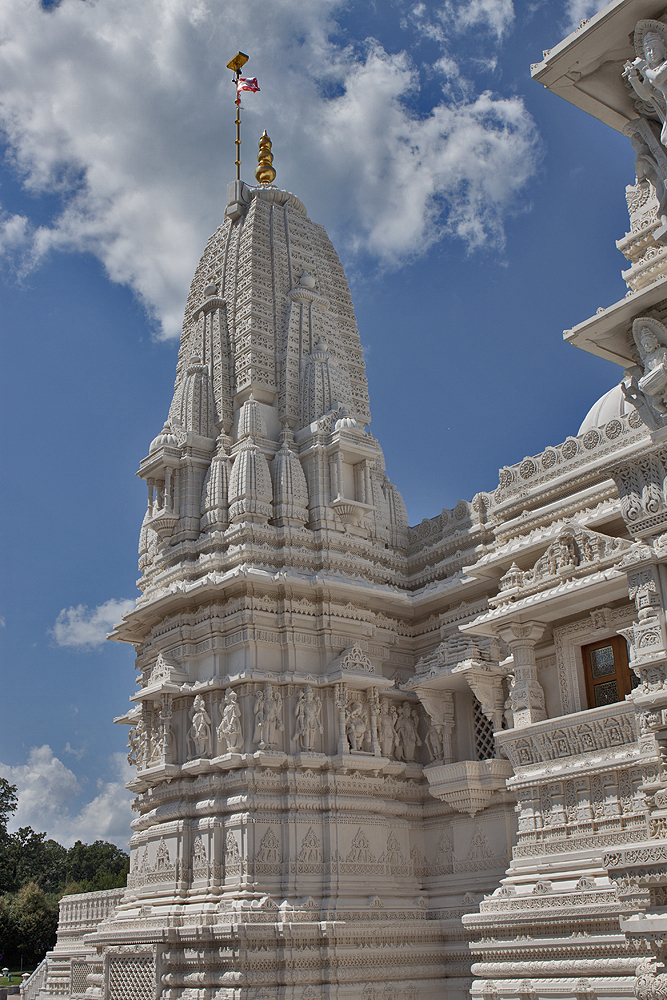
x=475, y=214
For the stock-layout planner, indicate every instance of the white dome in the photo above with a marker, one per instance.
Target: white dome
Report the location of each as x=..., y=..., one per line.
x=612, y=404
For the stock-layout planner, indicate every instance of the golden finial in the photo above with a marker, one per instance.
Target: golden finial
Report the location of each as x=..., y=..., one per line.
x=264, y=172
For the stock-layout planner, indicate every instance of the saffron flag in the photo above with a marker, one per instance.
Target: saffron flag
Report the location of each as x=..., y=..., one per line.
x=247, y=83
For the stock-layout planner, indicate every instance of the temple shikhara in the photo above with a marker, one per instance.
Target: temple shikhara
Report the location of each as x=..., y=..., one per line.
x=377, y=761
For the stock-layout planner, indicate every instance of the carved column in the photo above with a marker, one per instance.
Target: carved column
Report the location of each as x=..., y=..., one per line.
x=374, y=711
x=165, y=719
x=448, y=727
x=526, y=694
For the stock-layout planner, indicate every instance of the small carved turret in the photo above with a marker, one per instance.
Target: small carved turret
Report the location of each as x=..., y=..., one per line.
x=264, y=172
x=215, y=493
x=290, y=492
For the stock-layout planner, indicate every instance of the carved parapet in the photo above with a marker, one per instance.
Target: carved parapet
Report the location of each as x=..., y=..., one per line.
x=468, y=785
x=605, y=728
x=639, y=873
x=516, y=481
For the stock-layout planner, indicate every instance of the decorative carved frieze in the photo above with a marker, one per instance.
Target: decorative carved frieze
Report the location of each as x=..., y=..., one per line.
x=559, y=739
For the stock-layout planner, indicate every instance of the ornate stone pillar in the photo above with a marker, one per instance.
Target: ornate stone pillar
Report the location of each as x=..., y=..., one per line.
x=526, y=694
x=341, y=704
x=165, y=719
x=374, y=711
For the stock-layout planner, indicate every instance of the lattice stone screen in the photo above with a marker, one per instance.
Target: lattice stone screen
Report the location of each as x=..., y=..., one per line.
x=79, y=973
x=132, y=977
x=484, y=743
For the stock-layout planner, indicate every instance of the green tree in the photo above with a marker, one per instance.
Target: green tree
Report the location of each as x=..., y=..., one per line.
x=8, y=802
x=97, y=866
x=26, y=856
x=28, y=922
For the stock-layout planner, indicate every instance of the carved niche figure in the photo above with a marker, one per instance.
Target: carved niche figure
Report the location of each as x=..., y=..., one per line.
x=650, y=171
x=647, y=391
x=650, y=337
x=134, y=747
x=647, y=74
x=146, y=746
x=268, y=709
x=308, y=718
x=386, y=733
x=356, y=725
x=199, y=734
x=230, y=734
x=562, y=554
x=434, y=742
x=407, y=737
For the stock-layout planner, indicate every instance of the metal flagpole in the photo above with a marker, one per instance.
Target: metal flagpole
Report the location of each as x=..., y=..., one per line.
x=236, y=64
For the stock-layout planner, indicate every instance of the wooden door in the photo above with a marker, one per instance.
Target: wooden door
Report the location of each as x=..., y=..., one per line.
x=608, y=676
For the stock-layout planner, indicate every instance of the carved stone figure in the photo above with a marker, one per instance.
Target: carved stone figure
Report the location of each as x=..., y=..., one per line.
x=647, y=74
x=647, y=390
x=386, y=733
x=356, y=725
x=654, y=360
x=199, y=734
x=142, y=740
x=434, y=743
x=407, y=737
x=134, y=747
x=308, y=718
x=268, y=723
x=650, y=173
x=230, y=735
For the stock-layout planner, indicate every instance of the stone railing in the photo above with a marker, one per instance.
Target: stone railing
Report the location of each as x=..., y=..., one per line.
x=516, y=480
x=81, y=913
x=35, y=982
x=449, y=524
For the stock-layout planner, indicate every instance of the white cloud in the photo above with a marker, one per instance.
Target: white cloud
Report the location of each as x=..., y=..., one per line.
x=124, y=109
x=15, y=233
x=86, y=628
x=496, y=16
x=579, y=10
x=46, y=789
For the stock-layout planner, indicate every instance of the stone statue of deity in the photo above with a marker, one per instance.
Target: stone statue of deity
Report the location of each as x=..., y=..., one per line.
x=651, y=336
x=386, y=733
x=647, y=390
x=199, y=734
x=308, y=719
x=356, y=725
x=230, y=734
x=134, y=748
x=407, y=737
x=434, y=742
x=268, y=722
x=647, y=74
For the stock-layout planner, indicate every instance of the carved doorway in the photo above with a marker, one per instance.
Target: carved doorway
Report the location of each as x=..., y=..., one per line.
x=608, y=676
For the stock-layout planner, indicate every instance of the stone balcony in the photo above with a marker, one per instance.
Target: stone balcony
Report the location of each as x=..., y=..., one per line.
x=468, y=785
